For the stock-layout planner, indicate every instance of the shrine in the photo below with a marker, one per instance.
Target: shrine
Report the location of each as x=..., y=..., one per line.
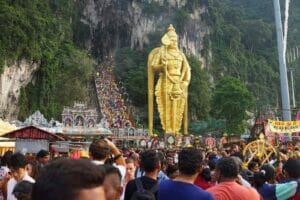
x=79, y=116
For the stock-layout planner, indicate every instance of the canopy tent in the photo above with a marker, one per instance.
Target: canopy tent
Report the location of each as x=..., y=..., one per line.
x=6, y=145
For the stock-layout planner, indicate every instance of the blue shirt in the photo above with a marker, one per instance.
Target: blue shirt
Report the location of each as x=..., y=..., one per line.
x=278, y=191
x=162, y=176
x=176, y=190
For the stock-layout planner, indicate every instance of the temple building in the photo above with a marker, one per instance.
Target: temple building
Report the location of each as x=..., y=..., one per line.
x=79, y=116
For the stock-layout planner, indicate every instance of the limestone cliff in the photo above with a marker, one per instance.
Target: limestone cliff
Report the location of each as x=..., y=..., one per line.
x=13, y=78
x=130, y=23
x=115, y=24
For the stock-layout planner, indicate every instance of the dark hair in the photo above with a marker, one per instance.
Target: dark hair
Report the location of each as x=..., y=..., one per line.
x=23, y=190
x=109, y=169
x=64, y=178
x=247, y=175
x=239, y=163
x=171, y=169
x=162, y=157
x=266, y=174
x=237, y=154
x=292, y=167
x=269, y=172
x=189, y=161
x=42, y=153
x=227, y=167
x=17, y=161
x=211, y=164
x=251, y=165
x=258, y=179
x=206, y=175
x=5, y=161
x=149, y=160
x=99, y=149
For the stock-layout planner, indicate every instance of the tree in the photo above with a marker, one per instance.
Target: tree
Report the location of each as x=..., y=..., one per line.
x=131, y=69
x=198, y=91
x=230, y=101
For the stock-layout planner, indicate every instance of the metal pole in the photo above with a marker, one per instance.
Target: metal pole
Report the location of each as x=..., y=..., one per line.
x=293, y=91
x=282, y=65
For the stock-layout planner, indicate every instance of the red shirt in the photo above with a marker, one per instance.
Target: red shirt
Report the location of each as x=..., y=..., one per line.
x=200, y=182
x=232, y=190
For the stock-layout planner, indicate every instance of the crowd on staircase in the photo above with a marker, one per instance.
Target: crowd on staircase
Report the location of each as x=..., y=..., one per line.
x=112, y=104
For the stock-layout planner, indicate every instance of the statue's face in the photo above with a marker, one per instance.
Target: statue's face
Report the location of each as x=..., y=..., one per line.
x=173, y=39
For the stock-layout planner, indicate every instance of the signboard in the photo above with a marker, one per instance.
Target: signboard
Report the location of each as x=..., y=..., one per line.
x=284, y=126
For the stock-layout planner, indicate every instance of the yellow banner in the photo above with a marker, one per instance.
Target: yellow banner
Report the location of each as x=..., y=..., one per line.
x=284, y=126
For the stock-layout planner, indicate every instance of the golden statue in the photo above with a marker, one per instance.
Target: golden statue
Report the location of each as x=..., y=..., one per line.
x=171, y=89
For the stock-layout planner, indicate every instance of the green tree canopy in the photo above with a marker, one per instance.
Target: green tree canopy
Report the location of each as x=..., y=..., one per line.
x=230, y=101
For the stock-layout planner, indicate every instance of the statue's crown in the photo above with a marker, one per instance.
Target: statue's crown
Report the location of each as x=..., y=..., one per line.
x=170, y=33
x=171, y=30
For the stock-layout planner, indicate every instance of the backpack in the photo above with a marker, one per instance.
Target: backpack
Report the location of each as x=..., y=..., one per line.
x=143, y=194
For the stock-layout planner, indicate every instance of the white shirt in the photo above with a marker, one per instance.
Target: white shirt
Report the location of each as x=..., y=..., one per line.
x=244, y=182
x=12, y=183
x=121, y=168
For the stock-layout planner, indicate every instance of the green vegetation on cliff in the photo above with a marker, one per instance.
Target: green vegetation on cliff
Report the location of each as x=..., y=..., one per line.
x=41, y=31
x=241, y=44
x=244, y=45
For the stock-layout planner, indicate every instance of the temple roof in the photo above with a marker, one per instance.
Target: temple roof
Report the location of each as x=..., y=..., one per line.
x=32, y=132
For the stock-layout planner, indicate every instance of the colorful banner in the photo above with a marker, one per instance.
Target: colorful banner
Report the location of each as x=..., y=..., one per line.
x=284, y=126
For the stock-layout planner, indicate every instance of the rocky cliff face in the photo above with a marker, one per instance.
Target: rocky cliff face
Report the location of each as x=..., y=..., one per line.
x=12, y=79
x=130, y=23
x=115, y=24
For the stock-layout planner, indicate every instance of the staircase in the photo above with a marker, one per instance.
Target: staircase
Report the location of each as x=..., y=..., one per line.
x=112, y=105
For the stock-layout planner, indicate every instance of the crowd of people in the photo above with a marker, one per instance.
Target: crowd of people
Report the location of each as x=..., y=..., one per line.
x=112, y=105
x=113, y=174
